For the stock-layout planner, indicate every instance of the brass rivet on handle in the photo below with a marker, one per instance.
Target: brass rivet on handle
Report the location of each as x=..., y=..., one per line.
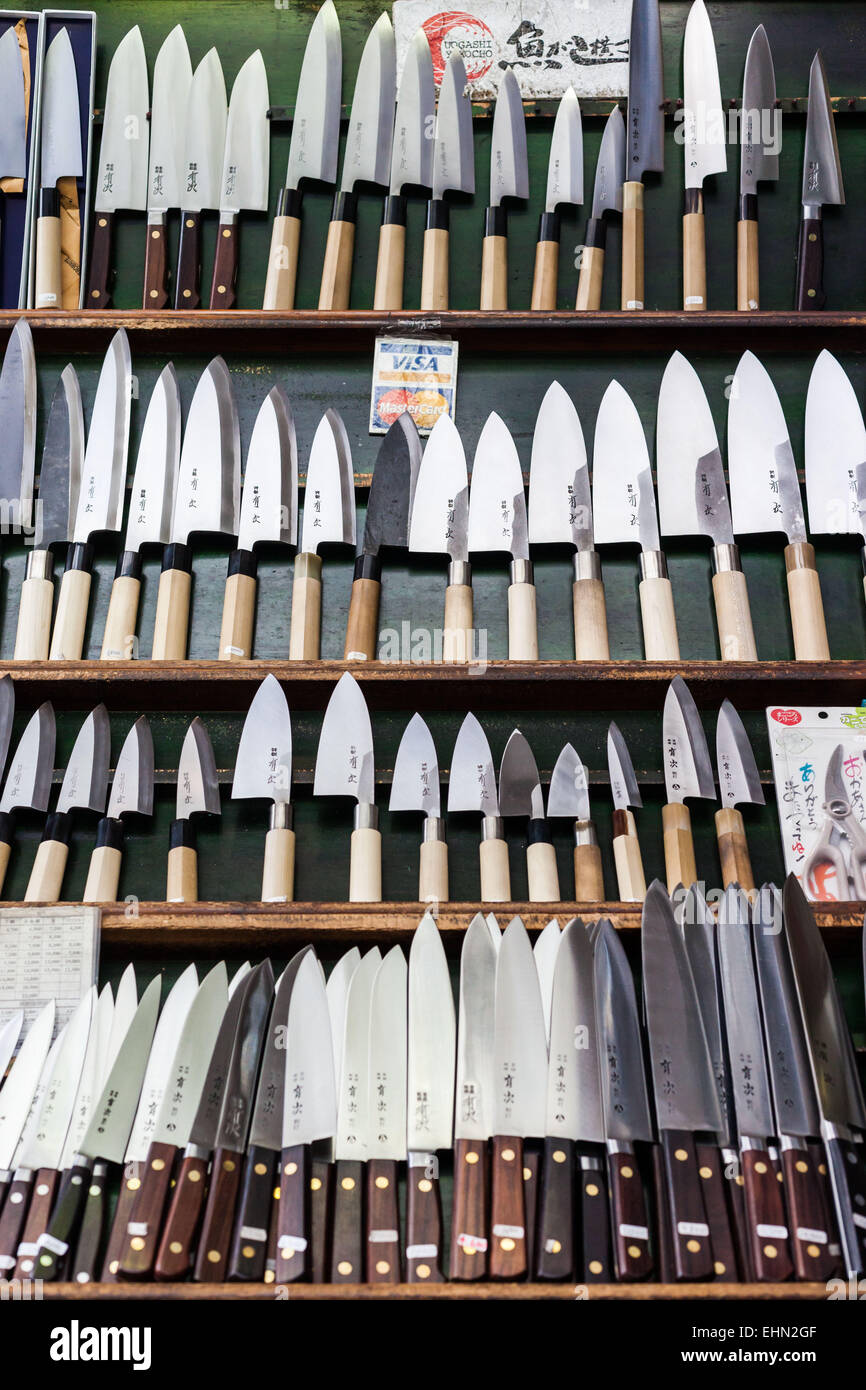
x=133, y=1185
x=190, y=222
x=269, y=1276
x=705, y=1171
x=287, y=1253
x=425, y=1185
x=508, y=1155
x=591, y=1189
x=228, y=1165
x=260, y=1169
x=382, y=1182
x=627, y=1172
x=276, y=1194
x=558, y=1156
x=527, y=1175
x=221, y=289
x=248, y=1251
x=155, y=235
x=315, y=1184
x=213, y=1257
x=103, y=222
x=554, y=1247
x=383, y=1267
x=760, y=1167
x=595, y=1266
x=114, y=1266
x=506, y=1244
x=693, y=1246
x=291, y=1168
x=227, y=231
x=137, y=1243
x=770, y=1251
x=813, y=1250
x=344, y=1267
x=423, y=1271
x=347, y=1184
x=471, y=1157
x=801, y=1167
x=635, y=1252
x=194, y=1176
x=720, y=1267
x=681, y=1155
x=175, y=1247
x=187, y=294
x=158, y=1164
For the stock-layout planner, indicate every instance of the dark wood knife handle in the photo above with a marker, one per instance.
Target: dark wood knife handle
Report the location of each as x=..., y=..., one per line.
x=216, y=1228
x=424, y=1229
x=596, y=1262
x=693, y=1254
x=129, y=1185
x=469, y=1212
x=225, y=266
x=629, y=1218
x=532, y=1159
x=13, y=1220
x=810, y=265
x=270, y=1274
x=141, y=1235
x=249, y=1248
x=42, y=1193
x=98, y=293
x=347, y=1242
x=715, y=1191
x=808, y=1218
x=662, y=1230
x=849, y=1182
x=736, y=1195
x=186, y=286
x=507, y=1210
x=321, y=1184
x=765, y=1213
x=382, y=1222
x=58, y=1237
x=293, y=1254
x=85, y=1264
x=556, y=1254
x=155, y=295
x=174, y=1255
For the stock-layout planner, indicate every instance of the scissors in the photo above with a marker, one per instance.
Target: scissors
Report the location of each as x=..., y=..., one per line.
x=841, y=823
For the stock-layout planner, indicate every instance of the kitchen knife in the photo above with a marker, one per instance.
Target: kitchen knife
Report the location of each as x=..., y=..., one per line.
x=172, y=79
x=544, y=951
x=389, y=508
x=520, y=794
x=759, y=159
x=765, y=496
x=644, y=141
x=329, y=515
x=244, y=183
x=739, y=784
x=472, y=787
x=198, y=793
x=263, y=770
x=568, y=796
x=366, y=159
x=353, y=1131
x=17, y=1182
x=453, y=172
x=473, y=1111
x=822, y=184
x=149, y=522
x=312, y=151
x=19, y=1089
x=386, y=1071
x=201, y=172
x=560, y=512
x=415, y=787
x=835, y=451
x=13, y=136
x=345, y=767
x=121, y=176
x=84, y=787
x=131, y=793
x=440, y=524
x=60, y=158
x=411, y=167
x=704, y=130
x=687, y=772
x=564, y=185
x=631, y=883
x=269, y=514
x=693, y=498
x=606, y=198
x=28, y=781
x=624, y=511
x=206, y=499
x=497, y=521
x=509, y=178
x=18, y=423
x=7, y=715
x=10, y=1033
x=100, y=498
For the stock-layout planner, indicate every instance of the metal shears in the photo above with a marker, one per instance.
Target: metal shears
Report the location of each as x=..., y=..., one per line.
x=841, y=824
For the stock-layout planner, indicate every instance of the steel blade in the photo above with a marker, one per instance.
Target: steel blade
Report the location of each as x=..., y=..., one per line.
x=7, y=715
x=822, y=170
x=704, y=124
x=623, y=501
x=85, y=781
x=197, y=781
x=337, y=991
x=565, y=164
x=62, y=457
x=544, y=954
x=10, y=1032
x=13, y=127
x=158, y=1071
x=155, y=477
x=699, y=934
x=415, y=780
x=208, y=493
x=560, y=506
x=112, y=1117
x=205, y=126
x=18, y=418
x=16, y=1094
x=509, y=167
x=610, y=167
x=497, y=505
x=266, y=1130
x=432, y=1043
x=191, y=1058
x=473, y=1116
x=132, y=787
x=412, y=148
x=750, y=1080
x=568, y=794
x=28, y=781
x=765, y=492
x=125, y=1005
x=693, y=496
x=344, y=762
x=353, y=1090
x=329, y=497
x=269, y=505
x=787, y=1055
x=92, y=1077
x=472, y=780
x=739, y=780
x=243, y=1069
x=835, y=439
x=519, y=1039
x=264, y=762
x=172, y=79
x=316, y=123
x=310, y=1093
x=645, y=153
x=121, y=178
x=440, y=511
x=687, y=767
x=519, y=783
x=45, y=1131
x=103, y=473
x=202, y=1131
x=60, y=121
x=392, y=490
x=246, y=158
x=620, y=1045
x=387, y=1057
x=759, y=156
x=453, y=146
x=573, y=1084
x=623, y=782
x=367, y=156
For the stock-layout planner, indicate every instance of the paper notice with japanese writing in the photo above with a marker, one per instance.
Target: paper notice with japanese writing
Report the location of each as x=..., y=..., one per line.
x=47, y=953
x=549, y=44
x=822, y=850
x=418, y=375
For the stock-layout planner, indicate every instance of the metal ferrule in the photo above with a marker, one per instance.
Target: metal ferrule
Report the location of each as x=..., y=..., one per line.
x=812, y=212
x=791, y=1141
x=197, y=1151
x=366, y=816
x=653, y=565
x=521, y=571
x=282, y=816
x=308, y=565
x=799, y=555
x=589, y=1163
x=434, y=830
x=40, y=564
x=619, y=1146
x=726, y=559
x=584, y=833
x=747, y=1143
x=460, y=571
x=492, y=828
x=587, y=564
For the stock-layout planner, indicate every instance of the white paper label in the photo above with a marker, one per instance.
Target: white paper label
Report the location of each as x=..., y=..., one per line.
x=773, y=1232
x=292, y=1243
x=508, y=1232
x=467, y=1242
x=383, y=1237
x=421, y=1252
x=813, y=1237
x=634, y=1232
x=692, y=1228
x=253, y=1233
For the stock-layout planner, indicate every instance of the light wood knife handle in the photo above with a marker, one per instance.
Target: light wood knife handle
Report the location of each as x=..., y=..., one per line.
x=141, y=1236
x=278, y=874
x=588, y=877
x=49, y=866
x=733, y=849
x=304, y=636
x=283, y=255
x=434, y=263
x=680, y=864
x=362, y=627
x=49, y=281
x=458, y=632
x=174, y=1255
x=546, y=273
x=469, y=1213
x=494, y=271
x=507, y=1209
x=33, y=634
x=103, y=875
x=433, y=872
x=388, y=292
x=182, y=870
x=807, y=607
x=5, y=853
x=733, y=616
x=632, y=247
x=239, y=610
x=541, y=872
x=365, y=866
x=591, y=278
x=67, y=639
x=631, y=883
x=495, y=873
x=171, y=626
x=590, y=621
x=337, y=268
x=748, y=296
x=119, y=642
x=694, y=258
x=522, y=622
x=658, y=620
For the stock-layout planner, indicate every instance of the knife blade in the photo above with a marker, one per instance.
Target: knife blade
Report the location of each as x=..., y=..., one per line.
x=386, y=1069
x=60, y=158
x=688, y=772
x=569, y=797
x=121, y=177
x=509, y=178
x=84, y=787
x=520, y=794
x=564, y=186
x=835, y=451
x=411, y=167
x=760, y=139
x=631, y=882
x=453, y=172
x=739, y=784
x=18, y=421
x=15, y=1209
x=131, y=794
x=606, y=198
x=7, y=715
x=472, y=787
x=497, y=521
x=345, y=767
x=10, y=1033
x=439, y=524
x=19, y=1089
x=352, y=1134
x=245, y=168
x=704, y=132
x=28, y=781
x=415, y=787
x=197, y=794
x=201, y=170
x=645, y=141
x=765, y=496
x=822, y=185
x=172, y=79
x=263, y=770
x=329, y=515
x=13, y=132
x=473, y=1111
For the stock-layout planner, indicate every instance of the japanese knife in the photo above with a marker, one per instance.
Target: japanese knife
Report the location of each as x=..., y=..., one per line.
x=269, y=514
x=263, y=771
x=644, y=141
x=172, y=79
x=206, y=499
x=560, y=512
x=624, y=509
x=329, y=516
x=345, y=767
x=84, y=788
x=739, y=784
x=18, y=423
x=497, y=521
x=312, y=152
x=101, y=495
x=687, y=772
x=347, y=1260
x=13, y=142
x=606, y=198
x=121, y=176
x=131, y=794
x=473, y=1110
x=28, y=781
x=765, y=496
x=822, y=185
x=453, y=172
x=544, y=954
x=366, y=159
x=411, y=167
x=835, y=452
x=415, y=787
x=61, y=157
x=509, y=178
x=759, y=160
x=197, y=793
x=18, y=1091
x=149, y=522
x=693, y=498
x=564, y=186
x=201, y=172
x=10, y=1033
x=568, y=796
x=520, y=794
x=244, y=183
x=472, y=787
x=386, y=1096
x=704, y=129
x=439, y=524
x=389, y=508
x=624, y=790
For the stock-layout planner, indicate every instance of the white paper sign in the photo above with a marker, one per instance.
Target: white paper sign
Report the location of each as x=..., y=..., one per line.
x=47, y=953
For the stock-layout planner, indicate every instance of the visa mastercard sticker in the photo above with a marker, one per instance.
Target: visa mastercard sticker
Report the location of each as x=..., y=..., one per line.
x=415, y=375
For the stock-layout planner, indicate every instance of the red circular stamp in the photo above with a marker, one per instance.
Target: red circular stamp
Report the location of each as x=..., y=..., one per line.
x=470, y=36
x=786, y=716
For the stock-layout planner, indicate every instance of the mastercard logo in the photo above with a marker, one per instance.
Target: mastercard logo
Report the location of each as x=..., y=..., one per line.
x=425, y=407
x=456, y=31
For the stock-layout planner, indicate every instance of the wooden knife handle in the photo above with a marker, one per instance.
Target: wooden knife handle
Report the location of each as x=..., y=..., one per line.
x=321, y=1184
x=283, y=255
x=362, y=628
x=347, y=1237
x=658, y=620
x=129, y=1185
x=174, y=1256
x=662, y=1227
x=434, y=260
x=186, y=283
x=508, y=1253
x=715, y=1194
x=522, y=622
x=424, y=1230
x=141, y=1234
x=596, y=1259
x=458, y=630
x=43, y=1190
x=225, y=266
x=119, y=642
x=765, y=1213
x=541, y=871
x=693, y=1252
x=495, y=873
x=155, y=292
x=494, y=260
x=733, y=849
x=13, y=1218
x=848, y=1174
x=433, y=872
x=365, y=866
x=591, y=278
x=49, y=866
x=546, y=272
x=85, y=1265
x=556, y=1251
x=33, y=634
x=680, y=866
x=211, y=1260
x=249, y=1247
x=631, y=882
x=293, y=1256
x=337, y=268
x=103, y=875
x=98, y=294
x=182, y=871
x=736, y=1199
x=629, y=1218
x=48, y=293
x=172, y=605
x=811, y=1227
x=632, y=296
x=70, y=620
x=733, y=616
x=694, y=252
x=239, y=608
x=304, y=636
x=469, y=1212
x=5, y=855
x=807, y=607
x=56, y=1240
x=382, y=1223
x=388, y=293
x=590, y=621
x=588, y=878
x=810, y=265
x=278, y=873
x=270, y=1274
x=748, y=297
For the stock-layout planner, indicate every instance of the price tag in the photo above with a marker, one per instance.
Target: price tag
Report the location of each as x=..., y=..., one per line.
x=47, y=953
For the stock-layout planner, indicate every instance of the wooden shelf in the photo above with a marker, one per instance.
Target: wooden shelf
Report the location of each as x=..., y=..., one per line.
x=416, y=1293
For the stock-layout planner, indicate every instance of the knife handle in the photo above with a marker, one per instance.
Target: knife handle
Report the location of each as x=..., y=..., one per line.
x=49, y=866
x=556, y=1252
x=321, y=1183
x=249, y=1247
x=596, y=1260
x=424, y=1231
x=694, y=252
x=662, y=1229
x=119, y=642
x=494, y=260
x=98, y=293
x=13, y=1218
x=388, y=293
x=507, y=1209
x=810, y=263
x=522, y=617
x=591, y=276
x=680, y=866
x=693, y=1252
x=546, y=272
x=278, y=873
x=283, y=255
x=216, y=1230
x=174, y=1255
x=43, y=1190
x=85, y=1265
x=70, y=620
x=270, y=1274
x=133, y=1176
x=631, y=882
x=748, y=298
x=5, y=854
x=807, y=607
x=35, y=606
x=541, y=871
x=155, y=292
x=733, y=614
x=812, y=1233
x=765, y=1214
x=304, y=634
x=495, y=873
x=48, y=293
x=532, y=1156
x=182, y=872
x=469, y=1212
x=239, y=608
x=186, y=283
x=434, y=260
x=733, y=849
x=458, y=633
x=362, y=628
x=140, y=1236
x=103, y=874
x=294, y=1216
x=714, y=1189
x=337, y=268
x=382, y=1230
x=365, y=865
x=347, y=1264
x=225, y=266
x=590, y=610
x=57, y=1238
x=171, y=625
x=628, y=1217
x=848, y=1179
x=657, y=613
x=632, y=296
x=588, y=877
x=433, y=865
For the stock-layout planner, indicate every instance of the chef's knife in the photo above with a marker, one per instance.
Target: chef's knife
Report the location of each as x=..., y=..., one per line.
x=329, y=515
x=345, y=767
x=201, y=171
x=606, y=198
x=244, y=183
x=739, y=784
x=84, y=787
x=198, y=793
x=18, y=424
x=13, y=135
x=60, y=158
x=352, y=1135
x=564, y=186
x=625, y=793
x=644, y=141
x=688, y=772
x=19, y=1088
x=835, y=452
x=759, y=159
x=263, y=771
x=411, y=167
x=172, y=79
x=10, y=1033
x=497, y=521
x=131, y=794
x=453, y=172
x=473, y=1110
x=544, y=952
x=387, y=1074
x=509, y=178
x=520, y=794
x=472, y=787
x=822, y=185
x=568, y=796
x=28, y=781
x=439, y=524
x=415, y=787
x=704, y=132
x=18, y=1181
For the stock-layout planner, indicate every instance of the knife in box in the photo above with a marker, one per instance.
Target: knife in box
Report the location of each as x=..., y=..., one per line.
x=18, y=423
x=84, y=788
x=411, y=167
x=472, y=787
x=625, y=793
x=822, y=185
x=13, y=136
x=201, y=169
x=758, y=160
x=415, y=787
x=606, y=198
x=509, y=178
x=131, y=794
x=564, y=186
x=244, y=183
x=197, y=793
x=172, y=78
x=263, y=770
x=473, y=1110
x=61, y=157
x=453, y=172
x=439, y=524
x=568, y=796
x=520, y=794
x=703, y=146
x=28, y=781
x=329, y=515
x=644, y=141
